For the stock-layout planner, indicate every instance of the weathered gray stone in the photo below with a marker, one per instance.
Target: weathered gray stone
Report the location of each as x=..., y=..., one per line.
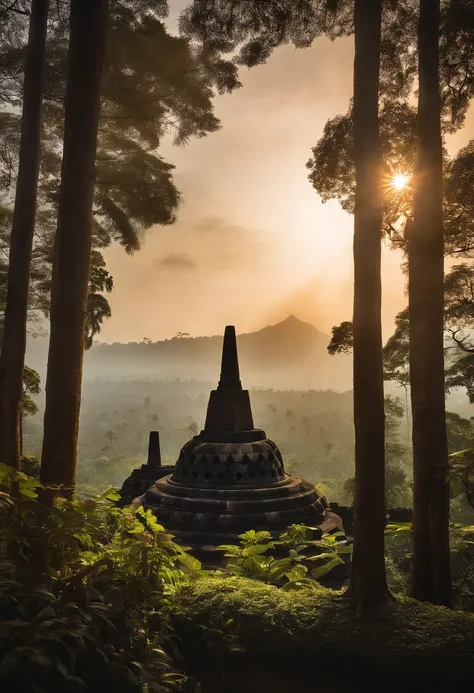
x=231, y=478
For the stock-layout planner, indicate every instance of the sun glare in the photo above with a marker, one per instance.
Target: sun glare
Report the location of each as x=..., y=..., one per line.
x=400, y=181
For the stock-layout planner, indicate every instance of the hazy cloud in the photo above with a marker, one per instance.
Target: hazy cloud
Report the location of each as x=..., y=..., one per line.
x=225, y=246
x=252, y=242
x=216, y=225
x=176, y=261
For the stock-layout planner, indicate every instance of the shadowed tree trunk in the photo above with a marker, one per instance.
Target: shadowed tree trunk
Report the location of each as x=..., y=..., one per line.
x=368, y=589
x=88, y=23
x=431, y=566
x=12, y=357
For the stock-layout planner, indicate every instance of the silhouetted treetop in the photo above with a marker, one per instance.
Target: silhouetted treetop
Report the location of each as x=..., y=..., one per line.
x=154, y=84
x=331, y=167
x=456, y=60
x=332, y=174
x=250, y=30
x=459, y=202
x=253, y=28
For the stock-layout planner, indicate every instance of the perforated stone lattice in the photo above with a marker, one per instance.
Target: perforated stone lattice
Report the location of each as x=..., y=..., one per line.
x=231, y=478
x=210, y=464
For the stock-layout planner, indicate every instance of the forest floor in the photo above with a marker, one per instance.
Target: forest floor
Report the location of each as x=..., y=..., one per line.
x=261, y=638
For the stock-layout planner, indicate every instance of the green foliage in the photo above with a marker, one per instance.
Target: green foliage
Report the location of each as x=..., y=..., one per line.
x=398, y=491
x=31, y=386
x=297, y=570
x=408, y=644
x=461, y=467
x=220, y=638
x=86, y=592
x=462, y=566
x=398, y=546
x=30, y=466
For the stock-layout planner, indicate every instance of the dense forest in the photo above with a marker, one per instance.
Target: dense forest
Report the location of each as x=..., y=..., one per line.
x=313, y=429
x=234, y=572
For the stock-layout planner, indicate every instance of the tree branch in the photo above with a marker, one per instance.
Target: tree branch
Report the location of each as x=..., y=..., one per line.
x=12, y=8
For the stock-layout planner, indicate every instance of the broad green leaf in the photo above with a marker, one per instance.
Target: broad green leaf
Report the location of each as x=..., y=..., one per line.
x=254, y=550
x=321, y=557
x=28, y=493
x=323, y=570
x=189, y=562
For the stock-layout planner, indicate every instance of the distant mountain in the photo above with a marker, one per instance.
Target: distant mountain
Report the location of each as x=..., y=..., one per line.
x=290, y=354
x=289, y=339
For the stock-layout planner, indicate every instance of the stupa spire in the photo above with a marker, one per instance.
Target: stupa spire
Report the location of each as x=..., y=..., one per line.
x=230, y=375
x=229, y=414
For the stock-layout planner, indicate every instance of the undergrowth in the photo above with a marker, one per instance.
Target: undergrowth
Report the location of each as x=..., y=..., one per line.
x=85, y=595
x=409, y=643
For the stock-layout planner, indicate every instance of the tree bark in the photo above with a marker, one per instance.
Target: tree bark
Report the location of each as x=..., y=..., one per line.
x=12, y=357
x=431, y=580
x=88, y=23
x=368, y=589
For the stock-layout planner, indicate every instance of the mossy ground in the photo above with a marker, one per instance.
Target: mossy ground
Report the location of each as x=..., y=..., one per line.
x=408, y=646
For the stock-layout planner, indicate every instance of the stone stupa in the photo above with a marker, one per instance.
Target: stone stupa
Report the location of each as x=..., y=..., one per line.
x=231, y=478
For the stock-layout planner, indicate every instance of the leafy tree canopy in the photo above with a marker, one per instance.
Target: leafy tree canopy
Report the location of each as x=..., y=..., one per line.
x=332, y=174
x=459, y=342
x=154, y=84
x=250, y=30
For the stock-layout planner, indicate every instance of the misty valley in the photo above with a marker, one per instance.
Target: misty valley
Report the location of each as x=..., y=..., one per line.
x=313, y=427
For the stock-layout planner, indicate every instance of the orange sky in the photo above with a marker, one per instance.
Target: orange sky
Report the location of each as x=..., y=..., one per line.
x=253, y=242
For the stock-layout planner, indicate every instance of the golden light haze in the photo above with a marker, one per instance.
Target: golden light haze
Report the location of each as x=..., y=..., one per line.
x=253, y=242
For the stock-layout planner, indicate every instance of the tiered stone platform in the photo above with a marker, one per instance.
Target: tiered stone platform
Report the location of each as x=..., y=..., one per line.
x=231, y=477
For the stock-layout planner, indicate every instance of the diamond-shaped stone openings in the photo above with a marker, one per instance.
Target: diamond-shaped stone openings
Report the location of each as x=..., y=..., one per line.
x=223, y=468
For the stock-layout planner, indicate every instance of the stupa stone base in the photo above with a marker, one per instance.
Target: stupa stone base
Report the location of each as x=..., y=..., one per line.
x=230, y=478
x=208, y=513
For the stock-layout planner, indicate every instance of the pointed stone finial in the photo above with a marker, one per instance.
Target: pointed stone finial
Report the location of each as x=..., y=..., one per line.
x=154, y=451
x=229, y=414
x=230, y=375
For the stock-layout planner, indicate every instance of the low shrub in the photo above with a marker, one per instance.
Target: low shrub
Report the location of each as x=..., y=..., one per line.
x=85, y=595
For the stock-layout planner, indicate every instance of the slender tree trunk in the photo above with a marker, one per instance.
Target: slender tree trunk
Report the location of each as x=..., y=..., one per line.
x=407, y=413
x=431, y=565
x=368, y=587
x=12, y=357
x=69, y=292
x=20, y=430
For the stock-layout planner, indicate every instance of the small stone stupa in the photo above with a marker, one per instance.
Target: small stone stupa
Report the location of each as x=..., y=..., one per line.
x=230, y=478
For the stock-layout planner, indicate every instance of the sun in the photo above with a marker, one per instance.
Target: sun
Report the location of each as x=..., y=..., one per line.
x=400, y=181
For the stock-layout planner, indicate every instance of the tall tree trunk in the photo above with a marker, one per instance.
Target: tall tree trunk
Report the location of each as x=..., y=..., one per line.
x=431, y=566
x=20, y=430
x=12, y=357
x=368, y=587
x=69, y=292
